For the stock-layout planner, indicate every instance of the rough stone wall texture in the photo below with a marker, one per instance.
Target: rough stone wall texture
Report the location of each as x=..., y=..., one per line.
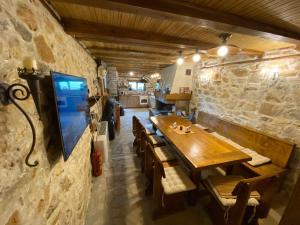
x=244, y=96
x=112, y=81
x=50, y=193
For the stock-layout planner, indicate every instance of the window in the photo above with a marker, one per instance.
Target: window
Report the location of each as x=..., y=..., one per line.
x=136, y=86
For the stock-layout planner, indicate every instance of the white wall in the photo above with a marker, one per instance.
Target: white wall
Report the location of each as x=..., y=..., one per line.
x=182, y=80
x=174, y=77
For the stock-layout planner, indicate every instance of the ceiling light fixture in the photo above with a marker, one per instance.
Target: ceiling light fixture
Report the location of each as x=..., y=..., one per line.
x=223, y=49
x=196, y=56
x=180, y=59
x=131, y=73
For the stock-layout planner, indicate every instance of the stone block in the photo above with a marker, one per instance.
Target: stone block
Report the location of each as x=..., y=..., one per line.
x=270, y=109
x=14, y=219
x=43, y=49
x=27, y=16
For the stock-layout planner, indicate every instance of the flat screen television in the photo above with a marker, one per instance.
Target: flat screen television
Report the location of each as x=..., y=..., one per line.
x=72, y=106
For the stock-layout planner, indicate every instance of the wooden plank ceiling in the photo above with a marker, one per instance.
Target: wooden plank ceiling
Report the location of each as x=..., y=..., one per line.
x=146, y=36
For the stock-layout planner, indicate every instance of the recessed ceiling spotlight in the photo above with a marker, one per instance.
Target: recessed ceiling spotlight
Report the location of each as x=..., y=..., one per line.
x=131, y=73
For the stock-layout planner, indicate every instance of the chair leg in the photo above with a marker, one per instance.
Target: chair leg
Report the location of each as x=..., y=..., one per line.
x=169, y=204
x=142, y=154
x=148, y=170
x=138, y=147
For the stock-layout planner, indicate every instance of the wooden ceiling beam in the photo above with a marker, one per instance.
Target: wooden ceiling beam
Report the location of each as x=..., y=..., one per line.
x=125, y=42
x=127, y=51
x=130, y=55
x=182, y=11
x=136, y=68
x=133, y=60
x=83, y=29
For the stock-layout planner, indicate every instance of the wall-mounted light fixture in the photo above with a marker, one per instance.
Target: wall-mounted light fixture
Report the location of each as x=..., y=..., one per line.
x=205, y=78
x=19, y=92
x=270, y=74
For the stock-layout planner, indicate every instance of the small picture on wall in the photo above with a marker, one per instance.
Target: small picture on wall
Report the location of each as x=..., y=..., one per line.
x=188, y=72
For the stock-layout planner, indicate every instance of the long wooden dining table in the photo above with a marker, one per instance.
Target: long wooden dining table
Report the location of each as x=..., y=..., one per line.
x=198, y=148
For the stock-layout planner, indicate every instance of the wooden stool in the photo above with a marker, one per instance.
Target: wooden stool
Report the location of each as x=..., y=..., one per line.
x=251, y=199
x=169, y=185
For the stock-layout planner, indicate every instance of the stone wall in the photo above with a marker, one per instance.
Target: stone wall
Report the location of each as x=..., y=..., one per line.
x=124, y=80
x=112, y=81
x=246, y=96
x=51, y=193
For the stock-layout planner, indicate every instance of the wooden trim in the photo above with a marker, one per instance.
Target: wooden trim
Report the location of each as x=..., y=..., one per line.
x=181, y=11
x=85, y=29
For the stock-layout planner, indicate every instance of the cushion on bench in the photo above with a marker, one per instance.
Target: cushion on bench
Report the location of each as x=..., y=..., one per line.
x=257, y=159
x=227, y=140
x=200, y=126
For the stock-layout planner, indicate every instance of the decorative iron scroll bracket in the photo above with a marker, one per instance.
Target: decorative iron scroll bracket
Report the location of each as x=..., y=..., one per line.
x=12, y=93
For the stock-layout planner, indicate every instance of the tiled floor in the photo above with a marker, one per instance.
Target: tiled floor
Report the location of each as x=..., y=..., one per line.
x=118, y=195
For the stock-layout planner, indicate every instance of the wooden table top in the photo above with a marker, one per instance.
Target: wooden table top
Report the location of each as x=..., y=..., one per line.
x=200, y=149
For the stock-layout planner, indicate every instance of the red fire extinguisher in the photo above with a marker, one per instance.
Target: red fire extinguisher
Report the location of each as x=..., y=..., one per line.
x=96, y=159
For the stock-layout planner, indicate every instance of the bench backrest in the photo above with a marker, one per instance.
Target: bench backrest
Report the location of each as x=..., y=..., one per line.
x=279, y=151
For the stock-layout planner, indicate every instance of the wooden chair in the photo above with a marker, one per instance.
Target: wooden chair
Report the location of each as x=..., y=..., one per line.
x=169, y=185
x=252, y=198
x=152, y=139
x=165, y=154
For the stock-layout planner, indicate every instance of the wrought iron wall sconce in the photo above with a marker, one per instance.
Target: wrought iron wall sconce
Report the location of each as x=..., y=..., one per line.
x=12, y=93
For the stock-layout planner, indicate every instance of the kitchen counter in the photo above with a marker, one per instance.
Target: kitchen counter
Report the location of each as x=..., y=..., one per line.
x=133, y=101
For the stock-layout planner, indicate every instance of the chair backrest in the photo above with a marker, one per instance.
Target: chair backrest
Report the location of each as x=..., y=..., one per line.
x=134, y=124
x=157, y=163
x=144, y=140
x=278, y=150
x=266, y=186
x=139, y=128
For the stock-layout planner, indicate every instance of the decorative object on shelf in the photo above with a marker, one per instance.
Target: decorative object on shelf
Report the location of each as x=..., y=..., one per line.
x=12, y=93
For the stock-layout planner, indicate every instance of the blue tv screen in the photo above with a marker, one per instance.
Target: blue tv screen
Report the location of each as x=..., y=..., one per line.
x=71, y=99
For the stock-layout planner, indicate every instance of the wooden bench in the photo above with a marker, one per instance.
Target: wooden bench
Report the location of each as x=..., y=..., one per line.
x=279, y=151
